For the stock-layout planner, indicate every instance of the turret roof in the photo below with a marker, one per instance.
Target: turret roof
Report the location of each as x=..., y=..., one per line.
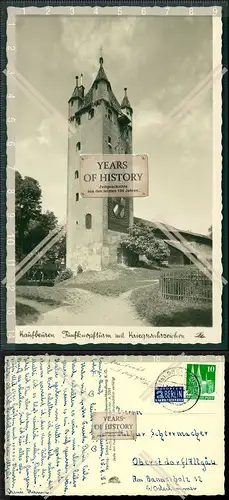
x=77, y=92
x=87, y=101
x=125, y=101
x=101, y=75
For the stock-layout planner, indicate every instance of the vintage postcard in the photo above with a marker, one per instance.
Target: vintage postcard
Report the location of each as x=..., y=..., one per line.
x=114, y=175
x=125, y=425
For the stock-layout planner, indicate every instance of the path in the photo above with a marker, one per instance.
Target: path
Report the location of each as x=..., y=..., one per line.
x=97, y=310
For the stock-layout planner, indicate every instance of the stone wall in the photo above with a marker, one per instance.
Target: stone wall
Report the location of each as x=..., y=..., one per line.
x=93, y=248
x=84, y=245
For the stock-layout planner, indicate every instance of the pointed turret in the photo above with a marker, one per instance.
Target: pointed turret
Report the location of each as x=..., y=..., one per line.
x=81, y=87
x=76, y=99
x=100, y=90
x=78, y=91
x=75, y=92
x=101, y=75
x=126, y=102
x=125, y=106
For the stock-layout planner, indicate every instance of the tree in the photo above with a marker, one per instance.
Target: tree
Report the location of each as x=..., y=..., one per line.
x=27, y=208
x=210, y=232
x=56, y=254
x=31, y=224
x=141, y=240
x=39, y=228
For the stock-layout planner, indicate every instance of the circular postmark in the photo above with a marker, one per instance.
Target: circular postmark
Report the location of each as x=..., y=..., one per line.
x=179, y=377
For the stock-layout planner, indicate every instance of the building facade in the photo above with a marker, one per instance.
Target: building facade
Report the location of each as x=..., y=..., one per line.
x=184, y=246
x=95, y=225
x=101, y=126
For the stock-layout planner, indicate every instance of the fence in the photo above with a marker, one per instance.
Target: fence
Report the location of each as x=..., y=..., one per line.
x=188, y=283
x=41, y=275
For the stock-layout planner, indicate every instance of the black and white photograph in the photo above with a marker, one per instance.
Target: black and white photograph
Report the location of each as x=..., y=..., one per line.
x=118, y=269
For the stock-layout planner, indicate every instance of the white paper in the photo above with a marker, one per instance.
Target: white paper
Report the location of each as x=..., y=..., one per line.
x=176, y=122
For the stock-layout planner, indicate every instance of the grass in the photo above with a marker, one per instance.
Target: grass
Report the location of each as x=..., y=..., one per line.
x=110, y=282
x=32, y=302
x=54, y=296
x=26, y=314
x=162, y=312
x=111, y=288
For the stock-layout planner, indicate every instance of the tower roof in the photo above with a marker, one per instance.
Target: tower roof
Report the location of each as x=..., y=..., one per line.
x=125, y=101
x=101, y=75
x=87, y=100
x=77, y=92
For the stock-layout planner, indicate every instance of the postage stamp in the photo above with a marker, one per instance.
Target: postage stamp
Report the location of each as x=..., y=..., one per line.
x=206, y=376
x=125, y=253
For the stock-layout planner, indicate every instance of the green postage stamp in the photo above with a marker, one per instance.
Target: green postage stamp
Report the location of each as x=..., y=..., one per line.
x=206, y=377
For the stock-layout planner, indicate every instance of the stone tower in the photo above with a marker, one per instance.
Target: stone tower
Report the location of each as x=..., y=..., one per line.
x=102, y=125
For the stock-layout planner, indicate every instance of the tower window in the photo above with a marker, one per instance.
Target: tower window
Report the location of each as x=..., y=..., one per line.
x=78, y=146
x=78, y=120
x=77, y=196
x=109, y=114
x=96, y=86
x=88, y=221
x=91, y=114
x=71, y=103
x=76, y=174
x=109, y=144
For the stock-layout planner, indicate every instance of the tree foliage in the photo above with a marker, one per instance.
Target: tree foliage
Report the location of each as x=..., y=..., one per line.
x=57, y=253
x=32, y=226
x=141, y=240
x=210, y=231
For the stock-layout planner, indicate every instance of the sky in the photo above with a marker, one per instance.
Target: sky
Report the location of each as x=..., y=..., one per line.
x=161, y=60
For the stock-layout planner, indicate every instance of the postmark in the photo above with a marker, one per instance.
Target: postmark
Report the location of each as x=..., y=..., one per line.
x=171, y=389
x=106, y=425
